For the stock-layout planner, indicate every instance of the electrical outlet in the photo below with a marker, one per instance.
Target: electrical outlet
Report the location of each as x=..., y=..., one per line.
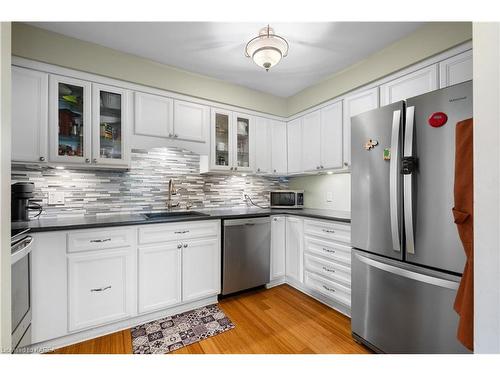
x=56, y=198
x=329, y=196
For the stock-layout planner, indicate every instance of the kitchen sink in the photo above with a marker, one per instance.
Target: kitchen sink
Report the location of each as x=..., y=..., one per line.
x=174, y=214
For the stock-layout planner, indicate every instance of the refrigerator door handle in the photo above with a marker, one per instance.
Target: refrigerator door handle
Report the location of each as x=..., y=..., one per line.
x=408, y=182
x=443, y=283
x=393, y=180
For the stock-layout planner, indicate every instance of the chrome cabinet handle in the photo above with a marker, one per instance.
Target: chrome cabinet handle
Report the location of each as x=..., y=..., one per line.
x=94, y=160
x=275, y=171
x=101, y=289
x=329, y=250
x=181, y=232
x=321, y=167
x=42, y=158
x=329, y=289
x=235, y=168
x=170, y=135
x=317, y=167
x=328, y=269
x=346, y=164
x=328, y=231
x=275, y=219
x=87, y=160
x=185, y=245
x=179, y=246
x=258, y=169
x=176, y=136
x=101, y=240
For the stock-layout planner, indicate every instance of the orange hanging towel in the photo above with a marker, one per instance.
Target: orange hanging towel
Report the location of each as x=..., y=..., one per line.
x=463, y=214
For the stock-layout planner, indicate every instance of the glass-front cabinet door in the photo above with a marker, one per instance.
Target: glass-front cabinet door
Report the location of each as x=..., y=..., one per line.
x=221, y=153
x=242, y=135
x=70, y=122
x=110, y=124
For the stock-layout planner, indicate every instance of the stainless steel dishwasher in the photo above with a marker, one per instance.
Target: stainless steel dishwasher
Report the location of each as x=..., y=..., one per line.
x=246, y=254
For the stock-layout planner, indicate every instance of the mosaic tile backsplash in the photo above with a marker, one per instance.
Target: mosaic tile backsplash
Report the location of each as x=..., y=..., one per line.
x=144, y=187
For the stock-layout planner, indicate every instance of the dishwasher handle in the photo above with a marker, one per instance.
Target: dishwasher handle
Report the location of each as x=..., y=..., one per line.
x=247, y=221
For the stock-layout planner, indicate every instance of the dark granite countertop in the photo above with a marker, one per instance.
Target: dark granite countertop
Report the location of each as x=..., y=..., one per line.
x=84, y=222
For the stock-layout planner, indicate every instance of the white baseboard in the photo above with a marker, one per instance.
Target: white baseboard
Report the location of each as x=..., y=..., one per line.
x=88, y=334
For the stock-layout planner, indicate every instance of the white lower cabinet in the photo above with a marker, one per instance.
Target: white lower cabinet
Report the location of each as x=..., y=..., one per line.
x=201, y=275
x=294, y=249
x=159, y=276
x=100, y=287
x=278, y=248
x=327, y=261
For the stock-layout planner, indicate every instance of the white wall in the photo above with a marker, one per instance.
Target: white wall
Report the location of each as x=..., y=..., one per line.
x=316, y=188
x=5, y=310
x=486, y=38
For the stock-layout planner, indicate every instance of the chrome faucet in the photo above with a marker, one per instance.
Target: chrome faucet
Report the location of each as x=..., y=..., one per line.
x=171, y=191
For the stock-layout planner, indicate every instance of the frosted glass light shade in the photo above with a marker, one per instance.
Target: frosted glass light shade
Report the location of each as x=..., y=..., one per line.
x=267, y=49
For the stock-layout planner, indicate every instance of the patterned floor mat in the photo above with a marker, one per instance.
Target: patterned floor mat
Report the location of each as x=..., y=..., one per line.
x=176, y=331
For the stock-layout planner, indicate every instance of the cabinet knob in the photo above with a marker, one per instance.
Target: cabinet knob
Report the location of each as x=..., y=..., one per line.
x=275, y=171
x=317, y=167
x=231, y=168
x=346, y=164
x=87, y=160
x=235, y=168
x=321, y=167
x=42, y=158
x=258, y=169
x=275, y=219
x=94, y=160
x=179, y=246
x=176, y=136
x=169, y=135
x=185, y=245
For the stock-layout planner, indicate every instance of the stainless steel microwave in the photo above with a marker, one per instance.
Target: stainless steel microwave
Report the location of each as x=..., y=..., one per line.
x=287, y=199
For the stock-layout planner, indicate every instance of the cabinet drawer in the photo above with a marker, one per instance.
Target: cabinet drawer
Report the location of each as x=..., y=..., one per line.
x=328, y=230
x=329, y=249
x=100, y=287
x=177, y=231
x=327, y=268
x=328, y=288
x=99, y=239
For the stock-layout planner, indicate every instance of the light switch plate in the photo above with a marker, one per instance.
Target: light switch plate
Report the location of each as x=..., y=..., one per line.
x=56, y=197
x=329, y=196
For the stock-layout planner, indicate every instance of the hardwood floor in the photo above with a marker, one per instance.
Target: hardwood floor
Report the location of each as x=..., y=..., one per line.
x=280, y=320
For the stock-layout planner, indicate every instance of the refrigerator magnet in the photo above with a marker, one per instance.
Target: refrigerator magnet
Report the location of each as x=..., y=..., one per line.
x=387, y=153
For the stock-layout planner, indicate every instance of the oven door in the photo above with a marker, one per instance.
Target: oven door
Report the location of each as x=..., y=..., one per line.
x=21, y=292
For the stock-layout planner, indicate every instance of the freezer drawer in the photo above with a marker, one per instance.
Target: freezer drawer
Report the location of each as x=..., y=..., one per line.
x=400, y=308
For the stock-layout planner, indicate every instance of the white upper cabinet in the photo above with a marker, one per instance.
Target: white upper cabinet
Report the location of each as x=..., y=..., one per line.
x=311, y=135
x=331, y=136
x=262, y=145
x=29, y=115
x=191, y=121
x=70, y=123
x=355, y=104
x=110, y=125
x=413, y=84
x=243, y=138
x=278, y=148
x=294, y=130
x=231, y=143
x=456, y=69
x=154, y=115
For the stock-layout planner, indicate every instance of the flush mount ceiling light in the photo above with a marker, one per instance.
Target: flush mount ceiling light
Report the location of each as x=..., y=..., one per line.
x=267, y=49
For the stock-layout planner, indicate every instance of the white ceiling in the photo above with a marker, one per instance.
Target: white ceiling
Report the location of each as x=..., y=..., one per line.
x=317, y=50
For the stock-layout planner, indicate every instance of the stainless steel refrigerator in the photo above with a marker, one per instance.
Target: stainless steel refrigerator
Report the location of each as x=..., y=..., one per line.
x=407, y=257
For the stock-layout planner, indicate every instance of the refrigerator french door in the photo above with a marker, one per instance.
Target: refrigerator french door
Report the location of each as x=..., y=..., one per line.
x=407, y=258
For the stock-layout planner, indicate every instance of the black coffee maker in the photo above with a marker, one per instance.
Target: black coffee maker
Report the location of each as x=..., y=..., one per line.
x=21, y=193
